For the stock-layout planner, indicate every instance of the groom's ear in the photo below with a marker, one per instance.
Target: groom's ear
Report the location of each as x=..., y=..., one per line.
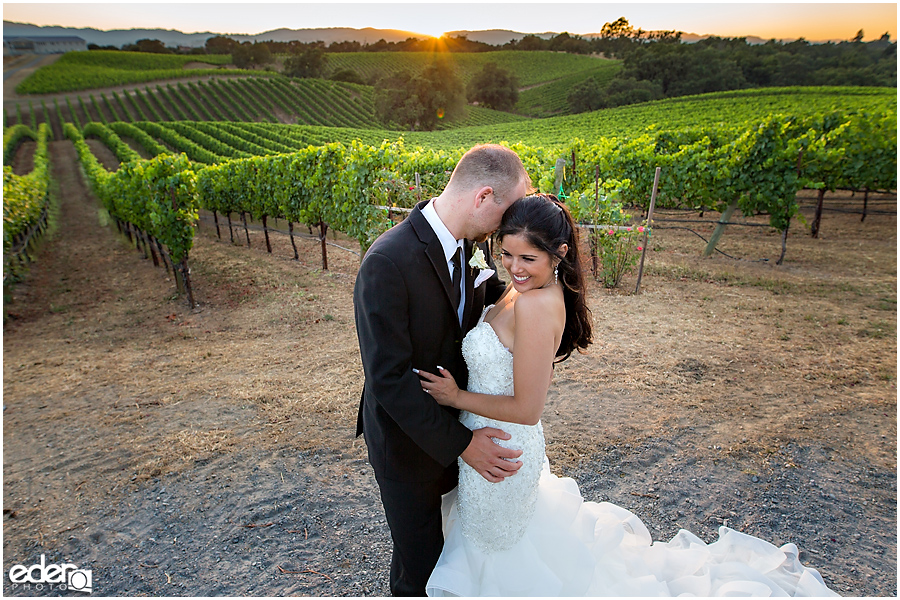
x=482, y=195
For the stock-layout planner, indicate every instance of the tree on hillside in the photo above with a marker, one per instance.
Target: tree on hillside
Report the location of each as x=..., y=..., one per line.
x=529, y=42
x=396, y=104
x=590, y=94
x=347, y=75
x=260, y=54
x=247, y=55
x=680, y=69
x=441, y=93
x=145, y=45
x=242, y=56
x=494, y=88
x=307, y=63
x=620, y=28
x=220, y=45
x=420, y=101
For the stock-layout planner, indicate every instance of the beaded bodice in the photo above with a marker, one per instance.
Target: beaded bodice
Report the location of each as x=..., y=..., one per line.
x=495, y=515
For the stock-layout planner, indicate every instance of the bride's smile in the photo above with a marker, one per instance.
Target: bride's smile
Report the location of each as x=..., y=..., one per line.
x=529, y=267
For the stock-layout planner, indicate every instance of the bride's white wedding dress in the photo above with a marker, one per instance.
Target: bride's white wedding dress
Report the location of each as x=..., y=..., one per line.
x=534, y=535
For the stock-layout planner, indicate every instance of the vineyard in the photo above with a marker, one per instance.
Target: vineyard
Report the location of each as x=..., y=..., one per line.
x=757, y=166
x=731, y=391
x=105, y=68
x=273, y=99
x=268, y=147
x=545, y=79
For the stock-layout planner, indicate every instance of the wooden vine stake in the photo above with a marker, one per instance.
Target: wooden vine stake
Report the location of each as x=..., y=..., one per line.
x=183, y=269
x=637, y=289
x=865, y=204
x=560, y=171
x=246, y=231
x=216, y=219
x=186, y=278
x=784, y=234
x=720, y=227
x=230, y=228
x=293, y=243
x=820, y=203
x=153, y=251
x=141, y=242
x=592, y=237
x=323, y=230
x=163, y=255
x=266, y=231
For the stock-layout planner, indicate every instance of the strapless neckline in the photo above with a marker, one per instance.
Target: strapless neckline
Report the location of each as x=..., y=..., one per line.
x=481, y=322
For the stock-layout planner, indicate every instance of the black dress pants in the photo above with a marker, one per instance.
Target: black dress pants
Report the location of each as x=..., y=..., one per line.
x=413, y=512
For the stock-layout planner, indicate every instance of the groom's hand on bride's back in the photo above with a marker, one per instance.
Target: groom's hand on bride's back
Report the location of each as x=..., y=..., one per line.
x=491, y=460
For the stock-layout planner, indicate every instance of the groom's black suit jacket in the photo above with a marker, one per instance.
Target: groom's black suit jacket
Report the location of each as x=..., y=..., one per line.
x=404, y=320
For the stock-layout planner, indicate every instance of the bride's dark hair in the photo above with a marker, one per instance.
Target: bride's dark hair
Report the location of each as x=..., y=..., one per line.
x=546, y=224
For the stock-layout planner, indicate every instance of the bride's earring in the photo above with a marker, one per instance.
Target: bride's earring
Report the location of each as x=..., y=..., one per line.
x=556, y=274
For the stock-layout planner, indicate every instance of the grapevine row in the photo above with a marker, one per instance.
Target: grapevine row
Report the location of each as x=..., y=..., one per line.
x=25, y=204
x=760, y=169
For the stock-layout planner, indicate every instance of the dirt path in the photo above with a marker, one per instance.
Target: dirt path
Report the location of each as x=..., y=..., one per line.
x=15, y=72
x=23, y=161
x=210, y=451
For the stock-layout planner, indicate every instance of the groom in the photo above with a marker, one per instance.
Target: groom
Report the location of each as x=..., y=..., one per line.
x=414, y=300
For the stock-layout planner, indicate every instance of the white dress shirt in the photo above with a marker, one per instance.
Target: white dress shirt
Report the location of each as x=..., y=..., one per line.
x=449, y=244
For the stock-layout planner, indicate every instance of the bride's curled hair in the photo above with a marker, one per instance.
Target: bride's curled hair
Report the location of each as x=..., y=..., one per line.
x=546, y=224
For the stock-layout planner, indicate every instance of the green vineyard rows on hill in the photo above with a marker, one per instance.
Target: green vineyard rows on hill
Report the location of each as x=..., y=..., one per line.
x=109, y=68
x=728, y=109
x=757, y=166
x=551, y=98
x=268, y=99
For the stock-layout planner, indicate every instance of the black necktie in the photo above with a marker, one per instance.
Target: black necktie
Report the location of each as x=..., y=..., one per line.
x=455, y=292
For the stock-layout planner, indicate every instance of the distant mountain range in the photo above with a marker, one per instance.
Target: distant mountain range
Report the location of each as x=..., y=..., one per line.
x=172, y=37
x=498, y=37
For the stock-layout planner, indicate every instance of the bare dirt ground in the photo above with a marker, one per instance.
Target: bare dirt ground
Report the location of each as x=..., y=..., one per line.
x=17, y=69
x=211, y=452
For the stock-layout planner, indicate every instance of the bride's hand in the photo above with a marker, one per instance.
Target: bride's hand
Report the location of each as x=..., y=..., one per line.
x=442, y=387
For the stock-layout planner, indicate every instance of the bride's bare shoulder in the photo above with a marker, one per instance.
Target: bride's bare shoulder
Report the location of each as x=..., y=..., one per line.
x=541, y=302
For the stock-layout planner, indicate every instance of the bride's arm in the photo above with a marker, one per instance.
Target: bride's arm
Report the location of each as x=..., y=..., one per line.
x=538, y=330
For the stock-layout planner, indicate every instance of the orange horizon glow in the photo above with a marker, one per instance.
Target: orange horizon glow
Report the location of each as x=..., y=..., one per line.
x=811, y=21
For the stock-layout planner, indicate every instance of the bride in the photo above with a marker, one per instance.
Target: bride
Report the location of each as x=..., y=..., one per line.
x=532, y=534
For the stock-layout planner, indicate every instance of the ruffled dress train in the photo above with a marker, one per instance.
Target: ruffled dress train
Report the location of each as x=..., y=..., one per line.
x=534, y=535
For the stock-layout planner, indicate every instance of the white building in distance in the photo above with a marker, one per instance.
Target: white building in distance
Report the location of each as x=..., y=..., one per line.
x=40, y=44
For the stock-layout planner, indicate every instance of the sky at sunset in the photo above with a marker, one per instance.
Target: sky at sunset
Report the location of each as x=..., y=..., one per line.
x=813, y=21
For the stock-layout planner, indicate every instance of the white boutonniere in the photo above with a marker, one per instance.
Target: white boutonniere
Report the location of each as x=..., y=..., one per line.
x=479, y=262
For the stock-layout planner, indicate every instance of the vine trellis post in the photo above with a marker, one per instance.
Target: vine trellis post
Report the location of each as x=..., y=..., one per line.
x=720, y=227
x=592, y=240
x=560, y=171
x=323, y=230
x=266, y=231
x=637, y=288
x=246, y=231
x=293, y=243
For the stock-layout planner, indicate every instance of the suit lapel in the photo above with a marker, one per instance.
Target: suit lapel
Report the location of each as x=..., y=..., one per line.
x=469, y=273
x=435, y=253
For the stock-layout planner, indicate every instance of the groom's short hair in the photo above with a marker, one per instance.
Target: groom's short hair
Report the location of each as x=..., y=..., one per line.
x=492, y=165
